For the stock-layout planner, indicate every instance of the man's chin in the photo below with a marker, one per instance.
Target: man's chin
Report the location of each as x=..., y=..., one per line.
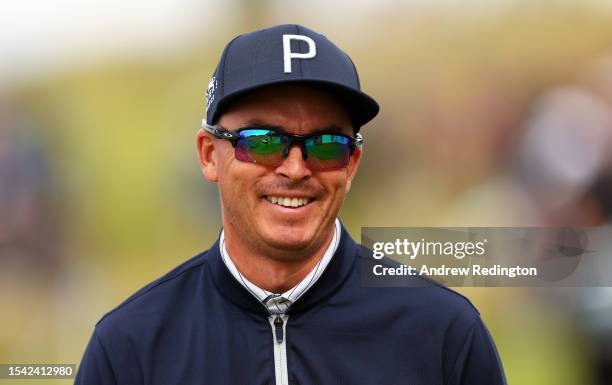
x=290, y=239
x=288, y=243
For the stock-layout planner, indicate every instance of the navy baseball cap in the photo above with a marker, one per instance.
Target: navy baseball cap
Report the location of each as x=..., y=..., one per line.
x=282, y=54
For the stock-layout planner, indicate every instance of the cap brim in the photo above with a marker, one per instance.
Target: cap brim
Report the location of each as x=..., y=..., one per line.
x=361, y=107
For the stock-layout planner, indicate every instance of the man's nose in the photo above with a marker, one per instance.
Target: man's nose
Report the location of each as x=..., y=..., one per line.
x=294, y=165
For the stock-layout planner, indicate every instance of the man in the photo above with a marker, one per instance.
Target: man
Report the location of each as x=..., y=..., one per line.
x=277, y=299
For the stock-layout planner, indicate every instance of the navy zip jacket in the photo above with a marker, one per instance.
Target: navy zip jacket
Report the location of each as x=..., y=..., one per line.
x=198, y=325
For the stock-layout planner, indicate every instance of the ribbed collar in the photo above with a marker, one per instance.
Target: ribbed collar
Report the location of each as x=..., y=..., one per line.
x=329, y=282
x=278, y=303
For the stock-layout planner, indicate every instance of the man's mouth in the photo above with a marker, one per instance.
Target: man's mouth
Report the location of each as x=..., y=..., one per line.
x=288, y=201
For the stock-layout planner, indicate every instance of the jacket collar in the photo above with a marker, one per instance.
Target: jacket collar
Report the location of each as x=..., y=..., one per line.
x=330, y=281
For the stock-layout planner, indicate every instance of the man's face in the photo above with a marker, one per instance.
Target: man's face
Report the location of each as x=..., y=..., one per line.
x=247, y=189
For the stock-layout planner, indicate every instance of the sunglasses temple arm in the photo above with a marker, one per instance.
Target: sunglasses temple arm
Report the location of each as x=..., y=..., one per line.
x=219, y=132
x=358, y=141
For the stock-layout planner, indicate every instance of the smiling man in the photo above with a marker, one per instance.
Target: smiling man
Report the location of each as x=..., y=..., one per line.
x=280, y=199
x=277, y=299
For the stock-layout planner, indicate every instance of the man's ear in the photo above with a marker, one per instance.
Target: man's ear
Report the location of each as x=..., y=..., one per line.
x=207, y=155
x=353, y=166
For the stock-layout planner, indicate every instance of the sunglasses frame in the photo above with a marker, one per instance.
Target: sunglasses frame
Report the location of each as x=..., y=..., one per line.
x=223, y=133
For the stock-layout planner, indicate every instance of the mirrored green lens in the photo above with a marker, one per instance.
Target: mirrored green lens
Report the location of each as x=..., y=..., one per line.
x=260, y=146
x=269, y=147
x=328, y=151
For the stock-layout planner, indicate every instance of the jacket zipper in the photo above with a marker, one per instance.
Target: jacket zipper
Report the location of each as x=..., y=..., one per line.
x=278, y=322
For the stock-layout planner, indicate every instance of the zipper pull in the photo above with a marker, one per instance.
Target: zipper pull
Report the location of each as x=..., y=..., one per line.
x=278, y=329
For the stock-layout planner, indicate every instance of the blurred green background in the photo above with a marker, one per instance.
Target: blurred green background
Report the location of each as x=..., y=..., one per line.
x=493, y=113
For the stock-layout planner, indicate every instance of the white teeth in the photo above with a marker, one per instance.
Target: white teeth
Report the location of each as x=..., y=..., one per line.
x=288, y=202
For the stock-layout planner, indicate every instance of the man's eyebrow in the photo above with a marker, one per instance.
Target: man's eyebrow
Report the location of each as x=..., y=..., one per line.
x=332, y=128
x=261, y=123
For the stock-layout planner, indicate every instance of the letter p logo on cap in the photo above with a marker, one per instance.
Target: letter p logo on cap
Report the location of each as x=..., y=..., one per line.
x=265, y=57
x=288, y=55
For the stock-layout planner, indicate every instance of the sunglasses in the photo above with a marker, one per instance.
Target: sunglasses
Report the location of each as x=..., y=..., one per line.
x=268, y=146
